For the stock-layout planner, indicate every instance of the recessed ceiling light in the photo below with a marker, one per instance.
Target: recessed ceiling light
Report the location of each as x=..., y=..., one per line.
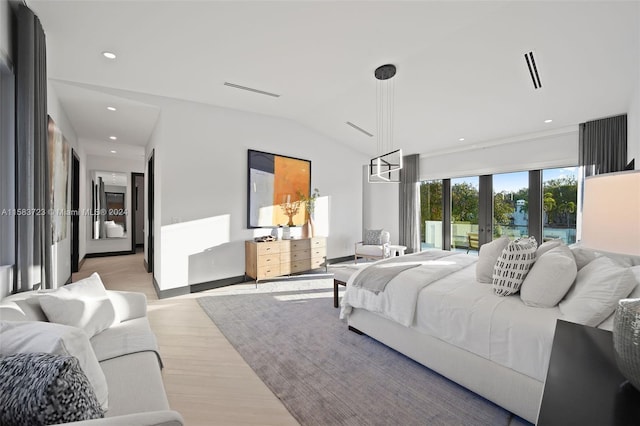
x=461, y=139
x=113, y=138
x=110, y=108
x=113, y=152
x=548, y=121
x=109, y=55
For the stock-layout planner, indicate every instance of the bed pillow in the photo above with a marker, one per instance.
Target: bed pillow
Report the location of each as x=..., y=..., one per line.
x=550, y=278
x=583, y=256
x=44, y=389
x=548, y=245
x=487, y=258
x=37, y=336
x=635, y=294
x=373, y=237
x=598, y=288
x=84, y=304
x=513, y=265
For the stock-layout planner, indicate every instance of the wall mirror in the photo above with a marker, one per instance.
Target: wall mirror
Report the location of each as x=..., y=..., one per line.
x=109, y=205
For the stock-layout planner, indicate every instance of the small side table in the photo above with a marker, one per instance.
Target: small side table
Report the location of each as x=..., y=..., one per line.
x=584, y=385
x=397, y=250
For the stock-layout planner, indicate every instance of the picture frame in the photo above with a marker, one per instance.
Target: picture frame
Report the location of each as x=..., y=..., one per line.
x=275, y=183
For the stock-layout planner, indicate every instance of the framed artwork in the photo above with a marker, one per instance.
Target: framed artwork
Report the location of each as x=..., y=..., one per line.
x=275, y=184
x=59, y=157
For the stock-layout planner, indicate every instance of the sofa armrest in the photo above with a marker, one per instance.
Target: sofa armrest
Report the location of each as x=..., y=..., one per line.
x=151, y=418
x=128, y=304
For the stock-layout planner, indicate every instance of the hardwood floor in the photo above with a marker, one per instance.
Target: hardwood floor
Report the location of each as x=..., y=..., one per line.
x=206, y=380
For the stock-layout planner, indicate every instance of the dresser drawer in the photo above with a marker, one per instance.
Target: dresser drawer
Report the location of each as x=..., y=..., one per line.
x=318, y=242
x=268, y=259
x=318, y=252
x=268, y=271
x=296, y=245
x=267, y=248
x=300, y=254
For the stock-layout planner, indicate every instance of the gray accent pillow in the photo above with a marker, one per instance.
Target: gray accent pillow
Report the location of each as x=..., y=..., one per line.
x=513, y=265
x=487, y=258
x=43, y=389
x=550, y=278
x=373, y=237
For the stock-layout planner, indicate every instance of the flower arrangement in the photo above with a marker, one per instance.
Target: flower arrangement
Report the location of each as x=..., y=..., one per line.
x=290, y=209
x=310, y=201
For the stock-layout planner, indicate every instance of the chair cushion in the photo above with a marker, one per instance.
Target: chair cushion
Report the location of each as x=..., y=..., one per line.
x=377, y=251
x=373, y=237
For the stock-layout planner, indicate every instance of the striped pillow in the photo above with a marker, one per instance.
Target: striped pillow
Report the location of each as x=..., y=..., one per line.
x=513, y=265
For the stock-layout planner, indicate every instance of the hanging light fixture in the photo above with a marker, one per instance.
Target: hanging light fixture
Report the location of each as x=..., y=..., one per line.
x=385, y=168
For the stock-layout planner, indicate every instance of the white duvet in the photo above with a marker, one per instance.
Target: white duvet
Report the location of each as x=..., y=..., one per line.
x=458, y=310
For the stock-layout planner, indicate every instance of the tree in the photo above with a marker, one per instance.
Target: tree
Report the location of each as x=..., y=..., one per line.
x=464, y=203
x=564, y=193
x=430, y=203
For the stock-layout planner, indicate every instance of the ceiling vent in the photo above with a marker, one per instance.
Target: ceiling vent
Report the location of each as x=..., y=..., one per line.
x=533, y=70
x=360, y=129
x=250, y=89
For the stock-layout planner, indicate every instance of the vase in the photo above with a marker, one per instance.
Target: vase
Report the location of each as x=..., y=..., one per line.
x=626, y=339
x=311, y=227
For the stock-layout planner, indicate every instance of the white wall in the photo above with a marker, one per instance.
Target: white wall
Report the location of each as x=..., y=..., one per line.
x=109, y=164
x=201, y=188
x=380, y=206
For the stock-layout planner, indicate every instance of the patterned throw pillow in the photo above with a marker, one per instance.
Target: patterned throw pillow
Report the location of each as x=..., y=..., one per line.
x=44, y=389
x=373, y=237
x=513, y=265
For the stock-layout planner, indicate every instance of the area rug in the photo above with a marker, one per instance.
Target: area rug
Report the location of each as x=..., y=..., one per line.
x=327, y=375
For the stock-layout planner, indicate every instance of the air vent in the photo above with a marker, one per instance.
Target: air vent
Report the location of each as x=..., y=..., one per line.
x=250, y=89
x=533, y=70
x=359, y=129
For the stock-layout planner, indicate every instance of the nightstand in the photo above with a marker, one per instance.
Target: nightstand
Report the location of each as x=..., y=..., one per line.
x=583, y=384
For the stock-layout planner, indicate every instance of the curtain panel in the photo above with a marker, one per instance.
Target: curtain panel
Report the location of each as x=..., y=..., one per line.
x=33, y=224
x=410, y=203
x=603, y=145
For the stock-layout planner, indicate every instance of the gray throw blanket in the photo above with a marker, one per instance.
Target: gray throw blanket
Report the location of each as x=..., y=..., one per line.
x=376, y=276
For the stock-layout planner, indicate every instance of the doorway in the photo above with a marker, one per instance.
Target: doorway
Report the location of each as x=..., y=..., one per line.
x=75, y=207
x=150, y=199
x=137, y=211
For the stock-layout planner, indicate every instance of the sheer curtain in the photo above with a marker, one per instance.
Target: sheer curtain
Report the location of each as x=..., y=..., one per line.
x=33, y=224
x=410, y=203
x=603, y=145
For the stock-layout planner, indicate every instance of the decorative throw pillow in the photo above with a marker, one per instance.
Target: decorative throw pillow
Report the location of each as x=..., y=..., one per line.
x=550, y=278
x=635, y=294
x=583, y=256
x=84, y=304
x=44, y=389
x=487, y=258
x=373, y=237
x=596, y=292
x=37, y=336
x=513, y=265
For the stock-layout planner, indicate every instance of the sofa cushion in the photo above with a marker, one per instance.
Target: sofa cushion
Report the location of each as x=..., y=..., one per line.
x=596, y=291
x=550, y=278
x=513, y=265
x=487, y=258
x=124, y=338
x=44, y=389
x=37, y=336
x=84, y=304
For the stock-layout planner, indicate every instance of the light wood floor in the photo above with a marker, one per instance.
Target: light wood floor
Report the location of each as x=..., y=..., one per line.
x=206, y=380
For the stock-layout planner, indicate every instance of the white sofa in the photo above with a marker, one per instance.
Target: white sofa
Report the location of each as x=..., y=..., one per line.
x=126, y=352
x=498, y=347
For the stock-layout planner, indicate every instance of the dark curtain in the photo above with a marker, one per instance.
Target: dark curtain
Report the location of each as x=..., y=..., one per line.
x=603, y=145
x=410, y=203
x=33, y=224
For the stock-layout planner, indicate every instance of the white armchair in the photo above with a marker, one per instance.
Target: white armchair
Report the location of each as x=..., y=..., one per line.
x=374, y=246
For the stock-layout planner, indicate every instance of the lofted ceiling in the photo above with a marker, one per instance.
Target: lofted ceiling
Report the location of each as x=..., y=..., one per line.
x=461, y=67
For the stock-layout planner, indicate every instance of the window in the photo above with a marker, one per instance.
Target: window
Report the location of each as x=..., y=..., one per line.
x=465, y=199
x=431, y=214
x=510, y=205
x=559, y=203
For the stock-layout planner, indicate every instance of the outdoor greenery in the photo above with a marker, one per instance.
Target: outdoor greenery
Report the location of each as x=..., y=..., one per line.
x=559, y=203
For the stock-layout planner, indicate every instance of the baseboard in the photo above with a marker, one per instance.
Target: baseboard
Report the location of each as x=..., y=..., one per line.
x=210, y=285
x=81, y=262
x=107, y=254
x=339, y=259
x=172, y=292
x=146, y=265
x=69, y=281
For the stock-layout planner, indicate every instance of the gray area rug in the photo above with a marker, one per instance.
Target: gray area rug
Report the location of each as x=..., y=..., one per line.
x=327, y=375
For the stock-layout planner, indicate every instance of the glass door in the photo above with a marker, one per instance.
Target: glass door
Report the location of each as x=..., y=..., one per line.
x=559, y=204
x=464, y=213
x=511, y=205
x=431, y=214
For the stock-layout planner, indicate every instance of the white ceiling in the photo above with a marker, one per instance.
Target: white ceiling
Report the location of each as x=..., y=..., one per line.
x=461, y=70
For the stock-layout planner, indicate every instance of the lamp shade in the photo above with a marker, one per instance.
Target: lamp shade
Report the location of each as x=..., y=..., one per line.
x=611, y=213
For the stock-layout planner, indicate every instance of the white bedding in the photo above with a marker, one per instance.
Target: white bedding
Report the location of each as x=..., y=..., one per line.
x=458, y=310
x=398, y=301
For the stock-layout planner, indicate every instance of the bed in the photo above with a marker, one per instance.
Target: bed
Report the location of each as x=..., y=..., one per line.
x=433, y=310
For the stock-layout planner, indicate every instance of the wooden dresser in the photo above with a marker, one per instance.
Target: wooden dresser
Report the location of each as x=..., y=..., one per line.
x=283, y=257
